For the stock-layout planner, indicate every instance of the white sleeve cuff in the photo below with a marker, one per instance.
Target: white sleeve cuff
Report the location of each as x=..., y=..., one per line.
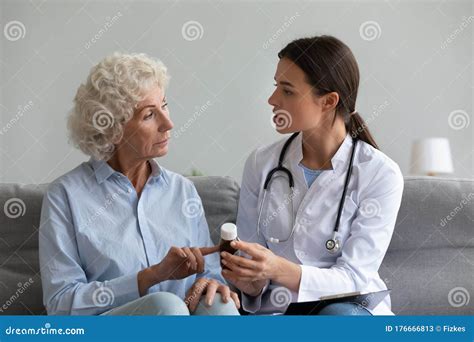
x=253, y=304
x=317, y=282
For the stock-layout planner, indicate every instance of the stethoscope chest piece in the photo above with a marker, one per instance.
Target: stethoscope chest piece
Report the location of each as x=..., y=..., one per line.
x=332, y=245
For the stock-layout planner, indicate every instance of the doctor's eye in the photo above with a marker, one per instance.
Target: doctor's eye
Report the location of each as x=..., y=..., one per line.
x=285, y=91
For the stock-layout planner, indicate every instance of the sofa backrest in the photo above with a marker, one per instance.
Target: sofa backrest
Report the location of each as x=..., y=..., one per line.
x=20, y=280
x=430, y=261
x=429, y=264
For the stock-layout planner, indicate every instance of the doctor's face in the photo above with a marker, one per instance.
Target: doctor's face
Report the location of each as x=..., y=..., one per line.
x=294, y=103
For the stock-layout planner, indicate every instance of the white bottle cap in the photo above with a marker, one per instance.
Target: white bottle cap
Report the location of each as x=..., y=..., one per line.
x=228, y=231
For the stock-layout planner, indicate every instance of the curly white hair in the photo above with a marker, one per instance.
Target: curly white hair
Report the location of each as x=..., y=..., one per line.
x=106, y=102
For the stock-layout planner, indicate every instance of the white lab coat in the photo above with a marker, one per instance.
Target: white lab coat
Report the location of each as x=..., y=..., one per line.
x=371, y=205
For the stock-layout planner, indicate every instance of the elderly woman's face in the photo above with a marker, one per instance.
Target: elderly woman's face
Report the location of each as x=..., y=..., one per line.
x=146, y=134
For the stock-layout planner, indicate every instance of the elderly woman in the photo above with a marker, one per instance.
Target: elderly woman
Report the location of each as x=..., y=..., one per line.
x=117, y=232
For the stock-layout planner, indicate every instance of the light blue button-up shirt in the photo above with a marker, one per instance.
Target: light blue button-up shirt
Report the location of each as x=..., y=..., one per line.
x=96, y=235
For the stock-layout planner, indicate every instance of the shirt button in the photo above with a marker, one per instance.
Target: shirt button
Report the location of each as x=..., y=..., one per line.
x=129, y=190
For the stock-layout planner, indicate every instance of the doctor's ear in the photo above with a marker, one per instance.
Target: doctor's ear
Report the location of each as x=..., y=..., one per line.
x=329, y=101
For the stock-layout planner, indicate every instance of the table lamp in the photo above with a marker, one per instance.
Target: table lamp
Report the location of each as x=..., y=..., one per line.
x=431, y=156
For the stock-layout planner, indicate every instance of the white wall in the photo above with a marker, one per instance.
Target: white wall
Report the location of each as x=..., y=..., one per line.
x=414, y=74
x=1, y=96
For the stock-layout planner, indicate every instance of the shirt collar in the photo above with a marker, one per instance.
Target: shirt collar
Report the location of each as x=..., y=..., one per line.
x=340, y=158
x=103, y=170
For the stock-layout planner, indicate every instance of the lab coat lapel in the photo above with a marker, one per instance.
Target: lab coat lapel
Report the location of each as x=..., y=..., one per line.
x=340, y=162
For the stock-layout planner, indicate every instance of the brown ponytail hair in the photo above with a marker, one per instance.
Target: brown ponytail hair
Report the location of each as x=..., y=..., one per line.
x=330, y=66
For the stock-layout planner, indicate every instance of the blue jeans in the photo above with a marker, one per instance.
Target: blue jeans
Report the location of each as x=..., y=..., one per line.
x=166, y=304
x=345, y=309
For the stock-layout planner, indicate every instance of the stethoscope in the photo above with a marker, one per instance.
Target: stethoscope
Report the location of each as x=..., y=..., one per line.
x=333, y=245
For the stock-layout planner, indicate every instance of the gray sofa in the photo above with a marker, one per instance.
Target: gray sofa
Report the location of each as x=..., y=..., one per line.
x=429, y=265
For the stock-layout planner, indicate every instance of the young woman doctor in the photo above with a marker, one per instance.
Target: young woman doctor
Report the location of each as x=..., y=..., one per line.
x=317, y=210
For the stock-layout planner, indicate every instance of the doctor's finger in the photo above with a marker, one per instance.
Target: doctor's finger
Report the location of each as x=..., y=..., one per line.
x=253, y=249
x=240, y=271
x=238, y=260
x=234, y=279
x=229, y=276
x=237, y=269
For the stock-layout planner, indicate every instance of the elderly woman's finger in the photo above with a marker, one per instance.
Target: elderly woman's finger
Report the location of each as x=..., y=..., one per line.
x=211, y=292
x=191, y=258
x=195, y=293
x=178, y=251
x=199, y=259
x=235, y=298
x=209, y=250
x=225, y=292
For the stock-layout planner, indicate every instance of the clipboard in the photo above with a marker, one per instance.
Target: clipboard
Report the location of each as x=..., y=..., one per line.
x=368, y=300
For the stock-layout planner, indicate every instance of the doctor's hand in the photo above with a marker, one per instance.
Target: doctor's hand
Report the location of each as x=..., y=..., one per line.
x=250, y=275
x=209, y=288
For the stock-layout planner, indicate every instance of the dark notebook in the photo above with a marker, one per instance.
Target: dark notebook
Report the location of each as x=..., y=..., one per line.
x=368, y=300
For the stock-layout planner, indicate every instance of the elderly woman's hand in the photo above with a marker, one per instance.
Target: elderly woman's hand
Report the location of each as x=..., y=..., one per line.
x=178, y=263
x=209, y=288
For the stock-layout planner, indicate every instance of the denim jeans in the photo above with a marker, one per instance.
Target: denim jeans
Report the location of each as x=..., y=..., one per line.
x=345, y=309
x=166, y=303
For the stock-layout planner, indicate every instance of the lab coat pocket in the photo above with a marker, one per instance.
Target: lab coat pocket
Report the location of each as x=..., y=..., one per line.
x=348, y=215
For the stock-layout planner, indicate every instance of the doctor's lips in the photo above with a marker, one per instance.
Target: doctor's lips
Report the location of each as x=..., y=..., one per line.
x=282, y=119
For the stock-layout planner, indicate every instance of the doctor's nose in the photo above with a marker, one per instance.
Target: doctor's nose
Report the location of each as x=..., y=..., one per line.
x=272, y=101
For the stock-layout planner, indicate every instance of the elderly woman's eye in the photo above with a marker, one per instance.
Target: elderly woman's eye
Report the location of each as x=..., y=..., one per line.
x=164, y=105
x=149, y=115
